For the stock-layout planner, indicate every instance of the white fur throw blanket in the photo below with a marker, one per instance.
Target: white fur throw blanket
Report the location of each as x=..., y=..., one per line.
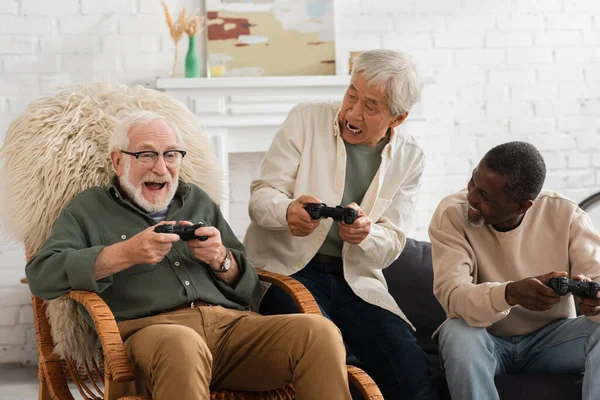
x=57, y=148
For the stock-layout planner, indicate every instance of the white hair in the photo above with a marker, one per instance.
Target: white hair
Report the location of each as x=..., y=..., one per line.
x=395, y=72
x=119, y=140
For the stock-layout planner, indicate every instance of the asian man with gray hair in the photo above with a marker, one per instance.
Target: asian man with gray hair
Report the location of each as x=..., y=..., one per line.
x=351, y=154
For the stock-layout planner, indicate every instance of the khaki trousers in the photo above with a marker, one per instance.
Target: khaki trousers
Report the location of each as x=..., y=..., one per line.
x=183, y=354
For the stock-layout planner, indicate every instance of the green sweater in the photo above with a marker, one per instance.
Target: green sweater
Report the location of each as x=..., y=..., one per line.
x=100, y=217
x=362, y=163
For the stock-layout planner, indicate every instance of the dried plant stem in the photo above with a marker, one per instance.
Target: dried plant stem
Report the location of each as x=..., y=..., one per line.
x=176, y=30
x=175, y=60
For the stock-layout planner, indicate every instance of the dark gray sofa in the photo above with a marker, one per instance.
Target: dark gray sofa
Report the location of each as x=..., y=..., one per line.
x=410, y=282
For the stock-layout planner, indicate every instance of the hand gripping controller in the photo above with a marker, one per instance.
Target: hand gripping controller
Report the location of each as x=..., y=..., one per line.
x=185, y=232
x=564, y=286
x=338, y=213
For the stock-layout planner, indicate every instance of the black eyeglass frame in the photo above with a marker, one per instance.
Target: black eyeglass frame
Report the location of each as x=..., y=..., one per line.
x=137, y=154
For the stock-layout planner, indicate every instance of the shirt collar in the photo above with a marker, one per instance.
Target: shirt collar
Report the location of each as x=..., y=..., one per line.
x=336, y=123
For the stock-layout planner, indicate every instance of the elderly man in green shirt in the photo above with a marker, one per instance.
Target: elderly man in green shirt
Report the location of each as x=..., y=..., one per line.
x=180, y=304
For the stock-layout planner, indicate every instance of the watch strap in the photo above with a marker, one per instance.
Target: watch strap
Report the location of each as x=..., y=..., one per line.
x=226, y=264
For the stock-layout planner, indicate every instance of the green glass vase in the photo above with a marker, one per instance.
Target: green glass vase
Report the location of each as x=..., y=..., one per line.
x=192, y=61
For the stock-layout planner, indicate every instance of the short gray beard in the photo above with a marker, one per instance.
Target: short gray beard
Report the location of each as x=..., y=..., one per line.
x=135, y=192
x=474, y=224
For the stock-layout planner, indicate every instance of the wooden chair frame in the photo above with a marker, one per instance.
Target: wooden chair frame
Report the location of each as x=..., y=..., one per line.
x=52, y=371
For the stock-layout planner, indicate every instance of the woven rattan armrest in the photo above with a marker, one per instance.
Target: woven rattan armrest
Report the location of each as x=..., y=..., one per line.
x=367, y=386
x=116, y=362
x=304, y=300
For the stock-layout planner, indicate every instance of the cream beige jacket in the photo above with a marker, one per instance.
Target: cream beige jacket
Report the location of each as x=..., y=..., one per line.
x=307, y=157
x=473, y=266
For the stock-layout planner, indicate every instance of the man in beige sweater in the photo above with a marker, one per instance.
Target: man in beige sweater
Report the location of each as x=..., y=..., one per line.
x=495, y=246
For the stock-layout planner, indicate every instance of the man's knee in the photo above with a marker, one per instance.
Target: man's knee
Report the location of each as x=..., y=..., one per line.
x=458, y=339
x=319, y=332
x=174, y=343
x=594, y=338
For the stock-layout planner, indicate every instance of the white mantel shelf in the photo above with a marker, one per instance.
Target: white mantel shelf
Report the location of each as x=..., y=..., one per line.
x=243, y=114
x=254, y=82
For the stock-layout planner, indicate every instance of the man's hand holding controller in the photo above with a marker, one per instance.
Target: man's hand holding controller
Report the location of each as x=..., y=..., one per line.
x=304, y=214
x=542, y=292
x=586, y=292
x=152, y=244
x=185, y=232
x=299, y=221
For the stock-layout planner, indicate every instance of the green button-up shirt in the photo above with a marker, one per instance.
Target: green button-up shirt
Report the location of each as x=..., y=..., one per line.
x=100, y=217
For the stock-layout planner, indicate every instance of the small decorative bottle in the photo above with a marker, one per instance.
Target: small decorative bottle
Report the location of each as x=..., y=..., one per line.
x=192, y=61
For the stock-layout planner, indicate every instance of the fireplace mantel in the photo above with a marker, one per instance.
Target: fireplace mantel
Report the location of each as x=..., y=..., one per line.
x=242, y=114
x=252, y=82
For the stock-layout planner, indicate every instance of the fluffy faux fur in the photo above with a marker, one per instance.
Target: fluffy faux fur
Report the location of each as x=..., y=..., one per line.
x=57, y=148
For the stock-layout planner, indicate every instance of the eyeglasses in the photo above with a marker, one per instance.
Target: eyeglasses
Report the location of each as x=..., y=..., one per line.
x=149, y=158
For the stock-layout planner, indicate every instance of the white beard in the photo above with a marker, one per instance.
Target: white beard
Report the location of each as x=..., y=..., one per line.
x=474, y=224
x=135, y=192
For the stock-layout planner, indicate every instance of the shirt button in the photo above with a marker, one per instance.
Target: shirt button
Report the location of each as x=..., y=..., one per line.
x=123, y=237
x=177, y=263
x=187, y=283
x=300, y=264
x=340, y=185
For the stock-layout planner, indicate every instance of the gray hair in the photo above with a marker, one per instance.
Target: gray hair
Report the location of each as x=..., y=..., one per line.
x=119, y=140
x=395, y=72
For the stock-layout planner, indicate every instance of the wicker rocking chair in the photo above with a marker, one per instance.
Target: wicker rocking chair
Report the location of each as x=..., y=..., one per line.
x=53, y=151
x=117, y=368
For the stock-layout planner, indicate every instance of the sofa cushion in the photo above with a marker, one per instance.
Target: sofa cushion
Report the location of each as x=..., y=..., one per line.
x=410, y=282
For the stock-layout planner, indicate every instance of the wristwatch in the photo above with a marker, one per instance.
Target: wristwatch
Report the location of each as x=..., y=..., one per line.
x=226, y=264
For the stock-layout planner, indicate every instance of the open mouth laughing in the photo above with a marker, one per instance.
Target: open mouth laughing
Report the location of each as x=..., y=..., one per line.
x=155, y=186
x=353, y=129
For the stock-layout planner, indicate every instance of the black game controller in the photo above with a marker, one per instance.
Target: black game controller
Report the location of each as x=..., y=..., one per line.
x=338, y=213
x=563, y=286
x=185, y=232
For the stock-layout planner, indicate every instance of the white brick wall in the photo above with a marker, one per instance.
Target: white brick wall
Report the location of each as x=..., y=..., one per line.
x=55, y=7
x=504, y=70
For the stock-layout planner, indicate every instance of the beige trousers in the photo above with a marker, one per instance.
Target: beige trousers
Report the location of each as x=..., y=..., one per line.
x=183, y=354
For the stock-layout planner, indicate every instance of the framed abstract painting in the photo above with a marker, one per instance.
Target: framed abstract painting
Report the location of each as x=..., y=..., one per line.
x=270, y=37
